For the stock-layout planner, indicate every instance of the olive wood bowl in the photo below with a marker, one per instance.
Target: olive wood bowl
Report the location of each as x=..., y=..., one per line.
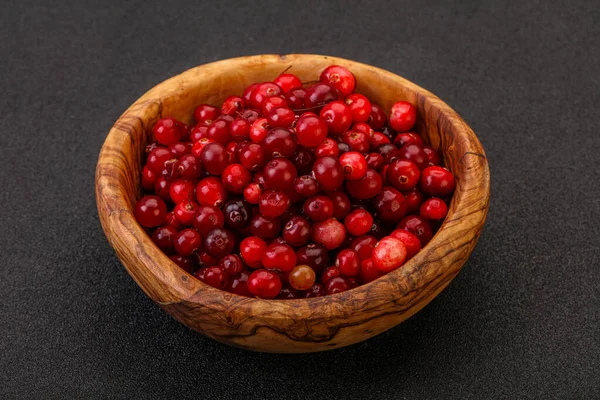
x=289, y=326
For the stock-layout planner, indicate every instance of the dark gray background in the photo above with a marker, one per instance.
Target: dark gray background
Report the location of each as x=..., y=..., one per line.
x=521, y=320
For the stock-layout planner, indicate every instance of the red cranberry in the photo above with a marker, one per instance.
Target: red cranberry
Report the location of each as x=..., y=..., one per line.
x=252, y=193
x=272, y=204
x=264, y=284
x=415, y=154
x=403, y=174
x=189, y=167
x=208, y=218
x=318, y=208
x=437, y=181
x=166, y=131
x=377, y=139
x=389, y=152
x=235, y=178
x=328, y=148
x=348, y=262
x=185, y=212
x=368, y=271
x=330, y=233
x=330, y=272
x=232, y=105
x=340, y=78
x=213, y=276
x=303, y=161
x=434, y=208
x=237, y=214
x=214, y=158
x=263, y=91
x=314, y=255
x=252, y=156
x=179, y=149
x=354, y=165
x=341, y=204
x=296, y=98
x=231, y=264
x=162, y=188
x=328, y=173
x=171, y=221
x=267, y=228
x=200, y=145
x=279, y=256
x=319, y=95
x=363, y=128
x=157, y=158
x=185, y=263
x=317, y=290
x=337, y=284
x=219, y=131
x=259, y=177
x=360, y=107
x=239, y=129
x=205, y=260
x=200, y=131
x=148, y=179
x=302, y=277
x=311, y=130
x=247, y=94
x=279, y=142
x=210, y=192
x=281, y=117
x=249, y=115
x=389, y=254
x=358, y=141
x=432, y=155
x=375, y=161
x=377, y=119
x=363, y=245
x=219, y=242
x=337, y=116
x=272, y=103
x=258, y=130
x=252, y=250
x=418, y=226
x=297, y=231
x=358, y=222
x=410, y=241
x=187, y=242
x=150, y=211
x=205, y=112
x=366, y=187
x=238, y=284
x=408, y=138
x=287, y=82
x=403, y=116
x=163, y=237
x=293, y=210
x=390, y=205
x=279, y=174
x=306, y=186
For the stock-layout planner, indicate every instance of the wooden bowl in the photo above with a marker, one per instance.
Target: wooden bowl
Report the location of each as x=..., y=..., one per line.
x=289, y=326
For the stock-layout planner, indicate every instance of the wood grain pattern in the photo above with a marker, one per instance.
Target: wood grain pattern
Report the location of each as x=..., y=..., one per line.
x=289, y=326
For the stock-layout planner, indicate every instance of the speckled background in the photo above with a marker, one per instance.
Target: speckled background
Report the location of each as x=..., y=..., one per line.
x=522, y=320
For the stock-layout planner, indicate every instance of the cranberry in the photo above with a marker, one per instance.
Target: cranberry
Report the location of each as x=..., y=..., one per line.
x=296, y=98
x=434, y=208
x=264, y=284
x=239, y=129
x=272, y=103
x=337, y=116
x=297, y=231
x=389, y=152
x=354, y=165
x=437, y=181
x=214, y=158
x=252, y=193
x=150, y=211
x=293, y=210
x=187, y=242
x=208, y=218
x=179, y=149
x=171, y=221
x=337, y=284
x=166, y=131
x=377, y=139
x=287, y=293
x=303, y=160
x=205, y=112
x=340, y=78
x=258, y=130
x=432, y=155
x=250, y=115
x=408, y=138
x=235, y=178
x=247, y=94
x=366, y=187
x=263, y=91
x=328, y=148
x=390, y=205
x=348, y=262
x=213, y=276
x=219, y=131
x=328, y=173
x=237, y=214
x=200, y=131
x=311, y=130
x=238, y=284
x=157, y=158
x=185, y=212
x=252, y=156
x=313, y=255
x=319, y=95
x=403, y=116
x=259, y=177
x=317, y=290
x=279, y=256
x=210, y=192
x=306, y=186
x=360, y=107
x=219, y=242
x=341, y=204
x=279, y=142
x=272, y=204
x=330, y=233
x=163, y=237
x=185, y=263
x=368, y=271
x=358, y=141
x=279, y=174
x=205, y=260
x=363, y=128
x=231, y=264
x=318, y=208
x=200, y=145
x=363, y=245
x=377, y=119
x=232, y=105
x=287, y=82
x=162, y=188
x=410, y=241
x=388, y=254
x=358, y=222
x=189, y=167
x=148, y=179
x=281, y=117
x=302, y=277
x=267, y=228
x=252, y=250
x=403, y=174
x=415, y=154
x=418, y=226
x=375, y=161
x=330, y=272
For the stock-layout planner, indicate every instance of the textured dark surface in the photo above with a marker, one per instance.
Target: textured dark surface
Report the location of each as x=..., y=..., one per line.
x=521, y=320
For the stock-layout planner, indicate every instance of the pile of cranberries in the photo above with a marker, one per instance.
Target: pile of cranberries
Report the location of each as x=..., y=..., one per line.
x=293, y=192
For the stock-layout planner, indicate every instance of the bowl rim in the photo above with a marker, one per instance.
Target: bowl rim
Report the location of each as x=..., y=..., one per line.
x=126, y=235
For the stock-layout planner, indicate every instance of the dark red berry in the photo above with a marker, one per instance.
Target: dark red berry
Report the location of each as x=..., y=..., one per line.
x=328, y=173
x=279, y=174
x=337, y=284
x=264, y=284
x=340, y=78
x=320, y=94
x=252, y=193
x=266, y=228
x=434, y=208
x=358, y=141
x=279, y=142
x=219, y=242
x=360, y=107
x=150, y=211
x=214, y=158
x=185, y=212
x=418, y=226
x=432, y=155
x=377, y=119
x=330, y=233
x=318, y=208
x=363, y=245
x=348, y=262
x=235, y=178
x=328, y=148
x=297, y=231
x=210, y=192
x=163, y=237
x=358, y=222
x=272, y=204
x=167, y=131
x=296, y=98
x=368, y=271
x=367, y=187
x=187, y=242
x=237, y=214
x=390, y=205
x=403, y=175
x=437, y=181
x=263, y=91
x=311, y=130
x=354, y=165
x=279, y=256
x=403, y=116
x=231, y=264
x=239, y=129
x=207, y=218
x=415, y=154
x=337, y=116
x=252, y=250
x=341, y=204
x=205, y=112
